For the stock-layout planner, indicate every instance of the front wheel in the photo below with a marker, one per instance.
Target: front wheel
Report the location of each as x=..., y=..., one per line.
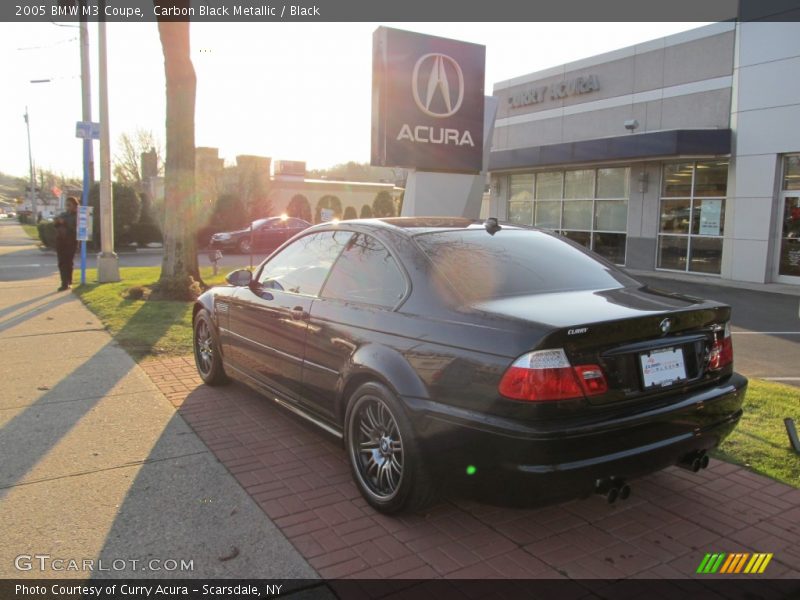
x=207, y=355
x=384, y=455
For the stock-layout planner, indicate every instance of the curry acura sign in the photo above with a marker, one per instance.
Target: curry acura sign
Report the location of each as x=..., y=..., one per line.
x=427, y=102
x=556, y=91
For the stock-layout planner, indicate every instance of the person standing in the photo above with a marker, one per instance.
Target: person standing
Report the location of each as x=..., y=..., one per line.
x=67, y=241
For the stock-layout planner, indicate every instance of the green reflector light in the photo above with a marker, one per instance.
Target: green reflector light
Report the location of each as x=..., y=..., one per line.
x=471, y=470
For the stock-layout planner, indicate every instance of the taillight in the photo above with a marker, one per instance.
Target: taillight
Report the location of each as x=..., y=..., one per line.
x=547, y=375
x=721, y=353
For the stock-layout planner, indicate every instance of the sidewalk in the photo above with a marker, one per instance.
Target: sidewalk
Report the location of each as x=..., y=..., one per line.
x=96, y=463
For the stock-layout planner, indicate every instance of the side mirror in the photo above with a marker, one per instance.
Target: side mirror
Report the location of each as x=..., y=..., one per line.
x=240, y=278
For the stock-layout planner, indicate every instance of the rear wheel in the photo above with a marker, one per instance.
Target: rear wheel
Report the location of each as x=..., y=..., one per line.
x=207, y=355
x=245, y=246
x=384, y=455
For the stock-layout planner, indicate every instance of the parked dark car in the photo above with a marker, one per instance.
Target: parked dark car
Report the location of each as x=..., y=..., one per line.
x=267, y=234
x=446, y=349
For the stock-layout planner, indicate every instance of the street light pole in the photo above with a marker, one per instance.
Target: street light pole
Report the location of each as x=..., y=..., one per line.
x=107, y=262
x=34, y=212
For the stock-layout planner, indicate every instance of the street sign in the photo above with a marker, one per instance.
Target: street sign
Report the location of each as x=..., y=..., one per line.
x=85, y=223
x=87, y=130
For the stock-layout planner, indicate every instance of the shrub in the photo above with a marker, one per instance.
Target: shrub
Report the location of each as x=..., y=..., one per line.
x=47, y=233
x=299, y=207
x=126, y=213
x=349, y=213
x=146, y=233
x=366, y=212
x=331, y=202
x=383, y=205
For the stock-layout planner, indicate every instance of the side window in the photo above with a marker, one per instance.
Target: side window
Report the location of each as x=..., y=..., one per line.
x=297, y=224
x=301, y=268
x=366, y=273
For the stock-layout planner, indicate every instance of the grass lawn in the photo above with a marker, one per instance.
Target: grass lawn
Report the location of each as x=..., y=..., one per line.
x=145, y=328
x=31, y=230
x=760, y=441
x=142, y=327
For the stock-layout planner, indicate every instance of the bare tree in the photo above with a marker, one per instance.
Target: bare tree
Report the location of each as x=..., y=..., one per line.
x=180, y=273
x=128, y=159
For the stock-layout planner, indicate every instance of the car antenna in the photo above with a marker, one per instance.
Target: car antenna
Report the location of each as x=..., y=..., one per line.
x=492, y=226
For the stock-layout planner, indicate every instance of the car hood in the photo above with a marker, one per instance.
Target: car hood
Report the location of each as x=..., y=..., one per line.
x=567, y=308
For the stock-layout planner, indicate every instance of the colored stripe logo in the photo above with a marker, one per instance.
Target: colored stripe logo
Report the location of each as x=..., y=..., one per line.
x=734, y=563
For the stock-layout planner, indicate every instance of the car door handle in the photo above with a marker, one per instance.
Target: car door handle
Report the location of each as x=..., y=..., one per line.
x=299, y=313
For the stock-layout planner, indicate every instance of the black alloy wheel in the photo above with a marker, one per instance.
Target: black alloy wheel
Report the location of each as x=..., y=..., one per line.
x=245, y=246
x=207, y=356
x=382, y=449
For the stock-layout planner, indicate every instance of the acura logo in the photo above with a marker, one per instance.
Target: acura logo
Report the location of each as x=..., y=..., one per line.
x=442, y=83
x=665, y=325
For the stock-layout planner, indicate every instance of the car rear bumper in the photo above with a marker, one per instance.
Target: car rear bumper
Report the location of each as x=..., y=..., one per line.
x=566, y=459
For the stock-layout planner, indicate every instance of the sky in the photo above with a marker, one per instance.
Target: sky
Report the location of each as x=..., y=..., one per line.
x=292, y=91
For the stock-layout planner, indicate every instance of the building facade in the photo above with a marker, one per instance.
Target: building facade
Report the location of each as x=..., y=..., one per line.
x=679, y=154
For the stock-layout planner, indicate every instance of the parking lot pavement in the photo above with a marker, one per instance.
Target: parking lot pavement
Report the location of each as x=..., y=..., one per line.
x=300, y=478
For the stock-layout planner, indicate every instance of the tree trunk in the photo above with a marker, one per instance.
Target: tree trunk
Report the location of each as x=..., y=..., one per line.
x=180, y=273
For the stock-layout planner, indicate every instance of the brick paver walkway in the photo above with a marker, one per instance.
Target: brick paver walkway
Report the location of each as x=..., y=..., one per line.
x=300, y=478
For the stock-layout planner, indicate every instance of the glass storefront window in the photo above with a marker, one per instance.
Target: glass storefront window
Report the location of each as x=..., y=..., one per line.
x=548, y=186
x=548, y=214
x=677, y=180
x=789, y=260
x=521, y=185
x=579, y=184
x=711, y=179
x=672, y=252
x=706, y=255
x=675, y=216
x=520, y=213
x=791, y=173
x=692, y=219
x=708, y=217
x=612, y=183
x=579, y=203
x=611, y=215
x=584, y=238
x=577, y=214
x=611, y=246
x=520, y=202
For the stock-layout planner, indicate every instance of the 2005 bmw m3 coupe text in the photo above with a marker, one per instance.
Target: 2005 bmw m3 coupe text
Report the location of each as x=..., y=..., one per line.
x=448, y=350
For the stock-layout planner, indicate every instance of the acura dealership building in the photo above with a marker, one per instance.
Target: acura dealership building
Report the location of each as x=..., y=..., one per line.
x=680, y=154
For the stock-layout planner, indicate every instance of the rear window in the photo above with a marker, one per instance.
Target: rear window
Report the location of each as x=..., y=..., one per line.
x=515, y=262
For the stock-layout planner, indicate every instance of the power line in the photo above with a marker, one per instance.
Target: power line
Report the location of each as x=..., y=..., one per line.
x=59, y=43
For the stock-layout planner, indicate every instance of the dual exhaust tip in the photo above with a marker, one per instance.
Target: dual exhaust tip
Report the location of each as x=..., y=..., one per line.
x=694, y=461
x=616, y=489
x=613, y=489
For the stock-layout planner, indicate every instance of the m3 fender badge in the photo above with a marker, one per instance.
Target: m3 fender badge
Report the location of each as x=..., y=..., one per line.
x=577, y=331
x=665, y=325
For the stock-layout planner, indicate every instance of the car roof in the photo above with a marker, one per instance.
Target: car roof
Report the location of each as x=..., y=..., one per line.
x=419, y=225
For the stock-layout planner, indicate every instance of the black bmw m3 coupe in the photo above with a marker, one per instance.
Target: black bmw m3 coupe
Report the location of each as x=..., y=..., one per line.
x=442, y=349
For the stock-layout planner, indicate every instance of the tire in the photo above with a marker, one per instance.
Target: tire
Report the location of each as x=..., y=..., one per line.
x=244, y=246
x=207, y=355
x=383, y=452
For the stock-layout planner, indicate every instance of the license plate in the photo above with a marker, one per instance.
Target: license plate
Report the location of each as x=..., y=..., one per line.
x=662, y=367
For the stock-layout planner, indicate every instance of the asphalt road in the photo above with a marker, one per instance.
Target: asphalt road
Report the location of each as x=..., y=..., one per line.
x=765, y=325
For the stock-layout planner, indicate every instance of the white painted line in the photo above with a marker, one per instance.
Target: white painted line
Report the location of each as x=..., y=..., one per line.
x=23, y=266
x=765, y=332
x=781, y=378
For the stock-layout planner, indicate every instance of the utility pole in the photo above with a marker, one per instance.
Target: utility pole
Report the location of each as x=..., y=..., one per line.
x=86, y=112
x=34, y=212
x=107, y=262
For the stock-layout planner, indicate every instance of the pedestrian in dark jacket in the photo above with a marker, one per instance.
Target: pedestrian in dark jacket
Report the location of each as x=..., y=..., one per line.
x=66, y=241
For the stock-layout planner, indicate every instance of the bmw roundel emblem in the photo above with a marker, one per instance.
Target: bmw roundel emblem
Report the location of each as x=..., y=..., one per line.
x=665, y=325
